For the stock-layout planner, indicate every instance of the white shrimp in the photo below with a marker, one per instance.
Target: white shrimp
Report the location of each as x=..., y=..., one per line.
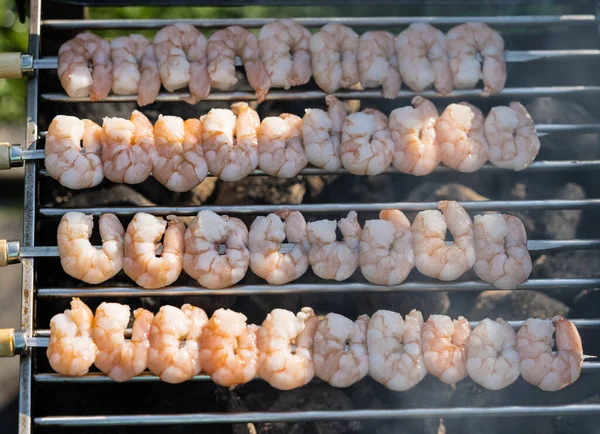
x=149, y=86
x=171, y=47
x=433, y=257
x=395, y=354
x=331, y=259
x=378, y=64
x=62, y=154
x=79, y=258
x=141, y=242
x=366, y=147
x=510, y=132
x=280, y=148
x=340, y=354
x=279, y=365
x=285, y=53
x=199, y=78
x=416, y=149
x=126, y=54
x=493, y=360
x=202, y=260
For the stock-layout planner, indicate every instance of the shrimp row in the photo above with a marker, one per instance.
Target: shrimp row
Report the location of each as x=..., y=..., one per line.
x=385, y=249
x=289, y=349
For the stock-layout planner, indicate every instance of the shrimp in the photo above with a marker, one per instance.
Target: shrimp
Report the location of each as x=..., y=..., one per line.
x=79, y=258
x=229, y=349
x=149, y=86
x=461, y=138
x=445, y=347
x=281, y=366
x=416, y=149
x=280, y=148
x=395, y=354
x=433, y=257
x=321, y=134
x=62, y=155
x=501, y=250
x=366, y=147
x=493, y=360
x=199, y=78
x=76, y=76
x=510, y=132
x=223, y=46
x=422, y=58
x=202, y=260
x=331, y=259
x=141, y=241
x=334, y=51
x=464, y=43
x=126, y=54
x=126, y=148
x=179, y=162
x=378, y=64
x=230, y=141
x=71, y=350
x=265, y=238
x=386, y=251
x=121, y=359
x=284, y=51
x=340, y=354
x=175, y=335
x=172, y=45
x=550, y=370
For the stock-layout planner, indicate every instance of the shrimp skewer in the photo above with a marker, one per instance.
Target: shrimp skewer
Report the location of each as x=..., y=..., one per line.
x=280, y=148
x=126, y=53
x=172, y=45
x=378, y=64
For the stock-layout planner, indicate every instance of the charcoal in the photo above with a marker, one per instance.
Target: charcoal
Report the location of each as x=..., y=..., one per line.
x=516, y=304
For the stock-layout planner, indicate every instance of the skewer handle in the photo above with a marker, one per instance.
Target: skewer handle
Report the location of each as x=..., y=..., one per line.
x=10, y=156
x=10, y=65
x=7, y=342
x=10, y=252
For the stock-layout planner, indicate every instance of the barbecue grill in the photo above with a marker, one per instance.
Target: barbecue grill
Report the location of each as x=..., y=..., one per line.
x=49, y=400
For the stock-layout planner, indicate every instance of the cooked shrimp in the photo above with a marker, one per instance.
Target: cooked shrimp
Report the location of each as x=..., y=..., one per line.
x=79, y=258
x=334, y=51
x=285, y=53
x=121, y=359
x=445, y=347
x=171, y=48
x=199, y=77
x=422, y=58
x=461, y=139
x=141, y=241
x=179, y=162
x=266, y=235
x=501, y=250
x=386, y=251
x=230, y=140
x=395, y=355
x=228, y=348
x=366, y=147
x=280, y=365
x=71, y=350
x=550, y=370
x=340, y=350
x=331, y=259
x=510, y=132
x=378, y=64
x=175, y=334
x=223, y=46
x=76, y=76
x=416, y=149
x=126, y=53
x=62, y=155
x=149, y=86
x=433, y=257
x=202, y=260
x=493, y=360
x=280, y=148
x=464, y=43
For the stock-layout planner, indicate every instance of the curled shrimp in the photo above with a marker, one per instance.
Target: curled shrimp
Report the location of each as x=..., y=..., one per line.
x=199, y=78
x=126, y=53
x=445, y=347
x=71, y=350
x=175, y=334
x=501, y=250
x=149, y=86
x=550, y=370
x=340, y=354
x=285, y=53
x=280, y=148
x=121, y=359
x=202, y=260
x=279, y=365
x=141, y=241
x=172, y=45
x=378, y=64
x=395, y=354
x=229, y=349
x=62, y=155
x=79, y=258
